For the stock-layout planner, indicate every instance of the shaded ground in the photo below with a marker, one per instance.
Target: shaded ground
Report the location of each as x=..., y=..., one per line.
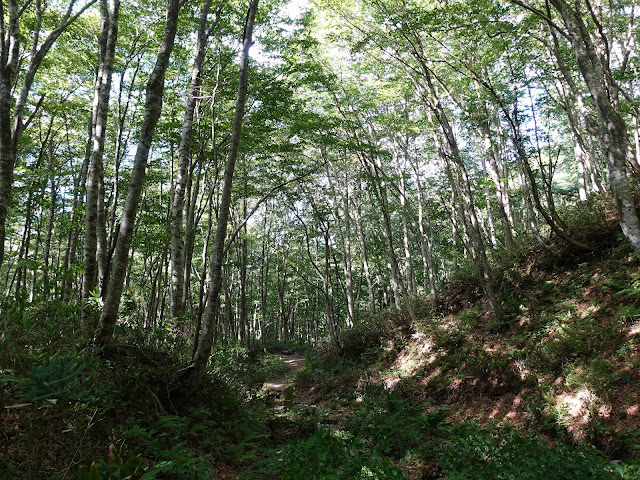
x=561, y=375
x=295, y=361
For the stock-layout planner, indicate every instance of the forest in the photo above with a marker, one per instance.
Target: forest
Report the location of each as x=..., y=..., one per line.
x=319, y=239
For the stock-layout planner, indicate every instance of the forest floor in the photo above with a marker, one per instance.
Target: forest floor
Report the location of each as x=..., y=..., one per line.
x=455, y=395
x=458, y=395
x=294, y=362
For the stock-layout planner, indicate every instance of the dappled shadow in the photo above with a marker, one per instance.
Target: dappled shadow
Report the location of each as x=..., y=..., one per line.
x=295, y=362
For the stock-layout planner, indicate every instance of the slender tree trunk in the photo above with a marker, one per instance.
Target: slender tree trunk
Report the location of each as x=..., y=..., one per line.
x=429, y=271
x=264, y=277
x=203, y=278
x=184, y=156
x=74, y=231
x=487, y=196
x=362, y=244
x=51, y=222
x=153, y=107
x=452, y=155
x=281, y=285
x=245, y=333
x=36, y=251
x=194, y=373
x=94, y=223
x=380, y=192
x=190, y=228
x=500, y=192
x=328, y=294
x=344, y=227
x=550, y=216
x=529, y=218
x=406, y=241
x=23, y=250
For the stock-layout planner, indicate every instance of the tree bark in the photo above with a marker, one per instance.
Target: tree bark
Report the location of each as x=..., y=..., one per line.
x=153, y=108
x=193, y=374
x=344, y=235
x=109, y=13
x=362, y=244
x=50, y=222
x=184, y=155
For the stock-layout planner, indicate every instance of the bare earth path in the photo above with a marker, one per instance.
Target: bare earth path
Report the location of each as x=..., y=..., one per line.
x=295, y=361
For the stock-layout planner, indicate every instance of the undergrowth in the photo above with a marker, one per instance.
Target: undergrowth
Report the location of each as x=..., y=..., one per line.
x=71, y=411
x=549, y=393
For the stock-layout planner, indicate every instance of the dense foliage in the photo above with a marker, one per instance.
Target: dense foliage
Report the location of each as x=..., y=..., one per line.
x=188, y=187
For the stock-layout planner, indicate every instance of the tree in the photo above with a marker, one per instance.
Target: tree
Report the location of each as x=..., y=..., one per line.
x=184, y=153
x=153, y=108
x=95, y=230
x=592, y=55
x=16, y=80
x=193, y=374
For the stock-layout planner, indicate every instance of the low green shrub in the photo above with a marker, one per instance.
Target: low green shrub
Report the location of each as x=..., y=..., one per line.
x=171, y=445
x=475, y=453
x=372, y=333
x=58, y=378
x=325, y=455
x=397, y=426
x=113, y=468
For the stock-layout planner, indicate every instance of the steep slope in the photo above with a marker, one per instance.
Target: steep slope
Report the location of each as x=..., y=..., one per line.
x=559, y=378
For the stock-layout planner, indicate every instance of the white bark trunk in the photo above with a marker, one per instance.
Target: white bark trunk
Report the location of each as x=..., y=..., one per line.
x=194, y=373
x=153, y=108
x=184, y=157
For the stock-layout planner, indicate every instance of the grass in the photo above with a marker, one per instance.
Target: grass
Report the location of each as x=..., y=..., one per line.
x=68, y=406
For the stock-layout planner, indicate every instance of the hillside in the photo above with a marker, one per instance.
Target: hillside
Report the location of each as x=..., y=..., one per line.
x=555, y=388
x=319, y=239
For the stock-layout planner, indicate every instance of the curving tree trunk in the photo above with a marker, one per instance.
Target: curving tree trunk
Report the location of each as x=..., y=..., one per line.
x=612, y=130
x=193, y=374
x=152, y=110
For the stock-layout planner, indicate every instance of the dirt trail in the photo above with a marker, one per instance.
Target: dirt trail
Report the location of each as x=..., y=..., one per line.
x=295, y=361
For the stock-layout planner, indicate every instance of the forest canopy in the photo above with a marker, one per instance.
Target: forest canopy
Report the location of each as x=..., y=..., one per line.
x=239, y=172
x=319, y=239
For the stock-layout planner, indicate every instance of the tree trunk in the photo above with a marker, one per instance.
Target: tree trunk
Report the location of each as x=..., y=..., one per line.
x=362, y=244
x=192, y=376
x=109, y=13
x=184, y=156
x=426, y=244
x=328, y=294
x=380, y=192
x=50, y=223
x=245, y=332
x=153, y=107
x=190, y=228
x=500, y=191
x=74, y=231
x=612, y=128
x=344, y=235
x=451, y=154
